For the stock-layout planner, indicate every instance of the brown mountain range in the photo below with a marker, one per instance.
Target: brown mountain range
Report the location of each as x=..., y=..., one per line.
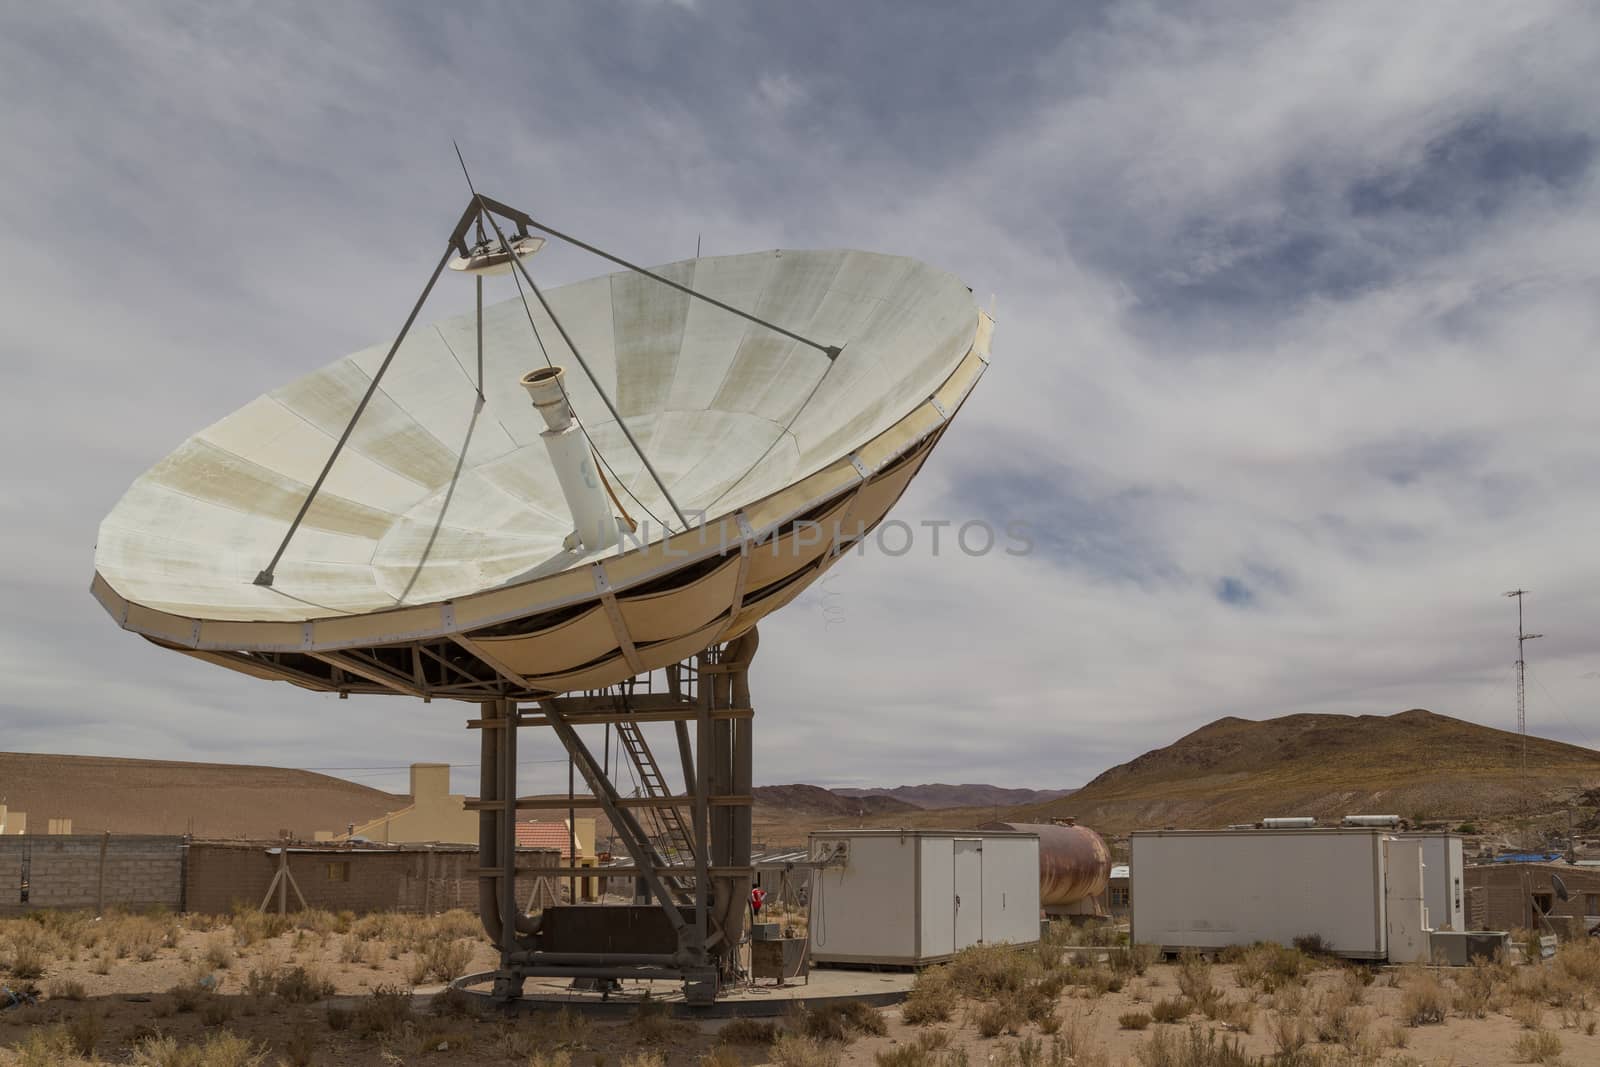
x=1414, y=764
x=939, y=795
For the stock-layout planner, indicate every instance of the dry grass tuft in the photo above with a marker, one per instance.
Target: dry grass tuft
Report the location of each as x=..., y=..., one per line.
x=1423, y=1001
x=748, y=1032
x=66, y=989
x=842, y=1022
x=1171, y=1010
x=221, y=1049
x=1193, y=1048
x=1529, y=1013
x=797, y=1050
x=1290, y=1034
x=387, y=1010
x=933, y=998
x=1194, y=982
x=1270, y=966
x=29, y=951
x=1541, y=1046
x=1133, y=1020
x=297, y=985
x=995, y=1018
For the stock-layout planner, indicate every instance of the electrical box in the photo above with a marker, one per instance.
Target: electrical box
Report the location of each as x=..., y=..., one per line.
x=909, y=897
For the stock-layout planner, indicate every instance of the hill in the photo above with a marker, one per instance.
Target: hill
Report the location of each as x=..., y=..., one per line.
x=939, y=795
x=209, y=800
x=814, y=800
x=1415, y=764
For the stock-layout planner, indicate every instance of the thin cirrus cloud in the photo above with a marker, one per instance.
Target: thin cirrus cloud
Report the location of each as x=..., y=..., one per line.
x=1293, y=371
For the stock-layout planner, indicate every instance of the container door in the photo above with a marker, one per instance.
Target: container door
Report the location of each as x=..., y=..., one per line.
x=1406, y=908
x=969, y=892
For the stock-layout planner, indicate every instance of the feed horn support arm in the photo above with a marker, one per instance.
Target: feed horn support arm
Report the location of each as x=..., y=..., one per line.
x=479, y=208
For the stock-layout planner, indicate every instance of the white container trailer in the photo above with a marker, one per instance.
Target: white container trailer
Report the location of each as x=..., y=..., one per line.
x=909, y=897
x=1209, y=889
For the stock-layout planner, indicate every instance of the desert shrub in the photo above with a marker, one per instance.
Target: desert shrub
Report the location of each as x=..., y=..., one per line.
x=1141, y=957
x=1271, y=966
x=1237, y=1015
x=66, y=989
x=214, y=1010
x=1133, y=1020
x=556, y=1058
x=1313, y=945
x=299, y=1050
x=297, y=984
x=85, y=1029
x=221, y=1049
x=748, y=1032
x=218, y=954
x=569, y=1029
x=1422, y=1001
x=1194, y=1048
x=251, y=926
x=1049, y=1024
x=1194, y=982
x=452, y=1002
x=996, y=1018
x=909, y=1055
x=1580, y=961
x=30, y=951
x=339, y=1018
x=1339, y=1023
x=443, y=959
x=1171, y=1010
x=982, y=972
x=1541, y=1046
x=1289, y=1034
x=1529, y=1013
x=388, y=1009
x=46, y=1046
x=188, y=996
x=842, y=1021
x=932, y=999
x=653, y=1024
x=798, y=1050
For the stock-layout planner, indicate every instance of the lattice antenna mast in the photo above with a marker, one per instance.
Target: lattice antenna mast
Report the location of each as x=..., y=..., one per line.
x=1523, y=638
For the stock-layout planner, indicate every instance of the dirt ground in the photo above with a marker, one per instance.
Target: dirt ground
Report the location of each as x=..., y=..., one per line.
x=339, y=990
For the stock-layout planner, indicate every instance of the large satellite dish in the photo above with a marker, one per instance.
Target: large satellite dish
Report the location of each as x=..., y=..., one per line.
x=549, y=499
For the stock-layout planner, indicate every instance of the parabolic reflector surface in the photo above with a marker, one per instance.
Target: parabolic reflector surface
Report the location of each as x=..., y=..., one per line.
x=442, y=519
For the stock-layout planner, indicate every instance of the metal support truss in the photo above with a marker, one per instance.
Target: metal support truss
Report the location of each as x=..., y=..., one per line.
x=703, y=899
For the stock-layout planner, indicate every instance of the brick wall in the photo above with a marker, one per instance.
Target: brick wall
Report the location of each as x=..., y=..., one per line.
x=359, y=880
x=1507, y=889
x=66, y=871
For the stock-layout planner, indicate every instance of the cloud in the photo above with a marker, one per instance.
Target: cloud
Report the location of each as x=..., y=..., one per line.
x=1293, y=372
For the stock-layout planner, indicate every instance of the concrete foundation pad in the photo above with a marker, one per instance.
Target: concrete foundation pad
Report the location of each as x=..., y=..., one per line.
x=878, y=988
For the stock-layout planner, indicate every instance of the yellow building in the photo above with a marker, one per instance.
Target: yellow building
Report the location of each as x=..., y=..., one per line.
x=434, y=814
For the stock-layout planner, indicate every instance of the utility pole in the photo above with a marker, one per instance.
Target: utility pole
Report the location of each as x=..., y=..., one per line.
x=1522, y=702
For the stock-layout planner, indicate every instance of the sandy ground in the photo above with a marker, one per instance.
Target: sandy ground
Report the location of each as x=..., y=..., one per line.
x=134, y=1000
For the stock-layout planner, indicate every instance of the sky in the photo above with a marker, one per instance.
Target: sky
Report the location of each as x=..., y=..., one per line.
x=1294, y=370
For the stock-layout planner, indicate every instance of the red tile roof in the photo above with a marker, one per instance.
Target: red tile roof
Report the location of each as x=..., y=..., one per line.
x=544, y=835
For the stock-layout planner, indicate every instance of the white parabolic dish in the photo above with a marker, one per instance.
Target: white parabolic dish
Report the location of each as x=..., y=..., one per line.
x=441, y=525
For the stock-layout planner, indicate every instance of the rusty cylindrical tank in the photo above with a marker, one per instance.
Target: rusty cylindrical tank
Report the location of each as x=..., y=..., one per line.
x=1074, y=861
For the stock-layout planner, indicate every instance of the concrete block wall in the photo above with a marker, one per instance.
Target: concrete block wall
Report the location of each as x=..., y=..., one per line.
x=414, y=880
x=66, y=871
